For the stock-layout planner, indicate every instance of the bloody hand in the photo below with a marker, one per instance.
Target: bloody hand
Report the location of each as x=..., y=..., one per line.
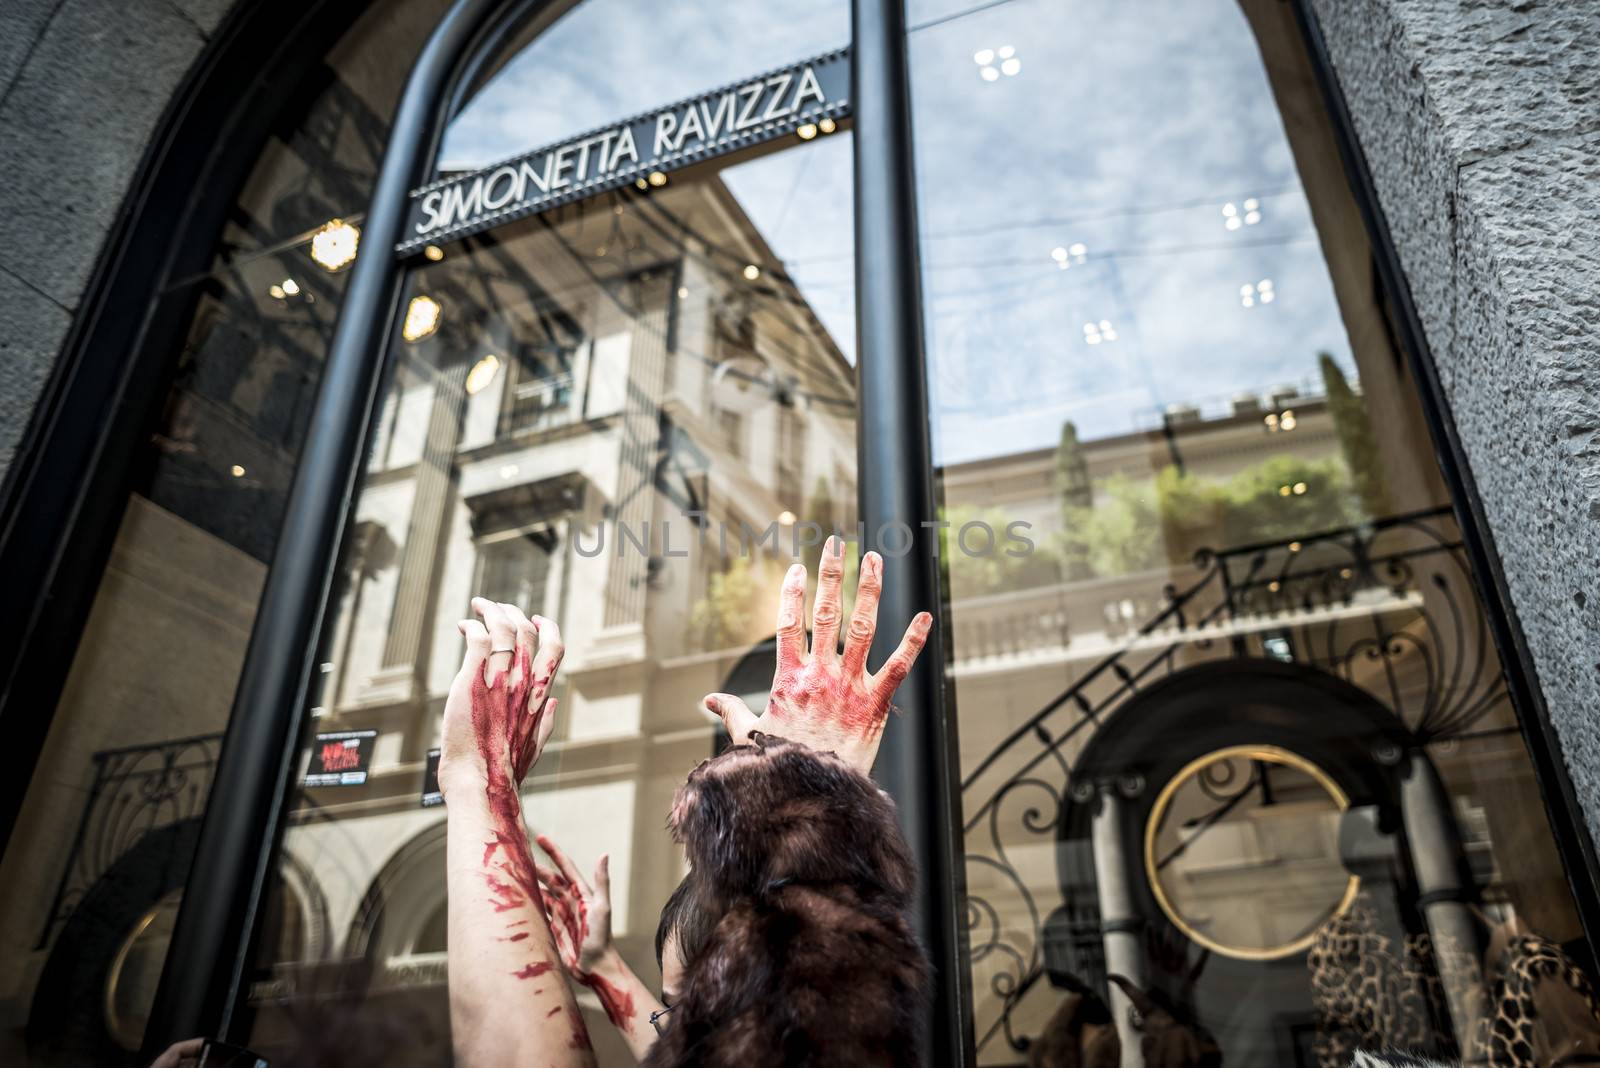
x=499, y=714
x=819, y=698
x=579, y=914
x=580, y=919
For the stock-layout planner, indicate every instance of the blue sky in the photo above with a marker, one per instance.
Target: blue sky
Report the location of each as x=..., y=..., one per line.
x=1127, y=129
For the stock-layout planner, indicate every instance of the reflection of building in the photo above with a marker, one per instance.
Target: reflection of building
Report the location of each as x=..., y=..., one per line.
x=562, y=443
x=1227, y=742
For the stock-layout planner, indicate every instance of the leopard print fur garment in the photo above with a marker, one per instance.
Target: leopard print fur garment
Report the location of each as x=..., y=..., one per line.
x=1535, y=1008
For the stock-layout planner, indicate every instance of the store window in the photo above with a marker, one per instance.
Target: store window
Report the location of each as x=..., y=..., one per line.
x=1238, y=755
x=94, y=872
x=596, y=412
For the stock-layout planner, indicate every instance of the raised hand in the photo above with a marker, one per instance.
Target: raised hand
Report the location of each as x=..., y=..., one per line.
x=579, y=914
x=580, y=917
x=820, y=698
x=499, y=714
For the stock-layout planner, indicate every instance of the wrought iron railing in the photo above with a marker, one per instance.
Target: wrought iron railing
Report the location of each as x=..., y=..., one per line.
x=1354, y=602
x=135, y=790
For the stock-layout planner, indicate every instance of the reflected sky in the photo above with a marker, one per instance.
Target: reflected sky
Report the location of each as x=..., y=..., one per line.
x=1118, y=134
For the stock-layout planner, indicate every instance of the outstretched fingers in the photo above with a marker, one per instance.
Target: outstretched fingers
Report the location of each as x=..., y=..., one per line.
x=827, y=612
x=546, y=661
x=792, y=620
x=524, y=638
x=569, y=870
x=894, y=671
x=864, y=620
x=533, y=731
x=477, y=637
x=735, y=714
x=546, y=726
x=502, y=638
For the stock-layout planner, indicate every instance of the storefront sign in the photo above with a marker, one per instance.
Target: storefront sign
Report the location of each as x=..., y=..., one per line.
x=341, y=758
x=713, y=124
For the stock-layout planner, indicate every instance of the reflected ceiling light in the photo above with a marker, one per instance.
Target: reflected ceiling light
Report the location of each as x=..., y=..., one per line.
x=994, y=62
x=1233, y=218
x=827, y=125
x=509, y=470
x=786, y=517
x=275, y=291
x=641, y=183
x=752, y=272
x=334, y=246
x=658, y=178
x=683, y=292
x=807, y=131
x=434, y=253
x=1300, y=488
x=1294, y=546
x=1094, y=333
x=237, y=471
x=1066, y=255
x=422, y=318
x=290, y=287
x=1284, y=491
x=1288, y=422
x=1262, y=291
x=482, y=373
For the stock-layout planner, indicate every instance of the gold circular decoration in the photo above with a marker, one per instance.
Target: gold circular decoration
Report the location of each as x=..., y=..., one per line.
x=130, y=988
x=1191, y=776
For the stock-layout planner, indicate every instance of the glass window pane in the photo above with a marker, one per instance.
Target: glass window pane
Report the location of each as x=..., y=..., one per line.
x=94, y=872
x=599, y=415
x=1233, y=727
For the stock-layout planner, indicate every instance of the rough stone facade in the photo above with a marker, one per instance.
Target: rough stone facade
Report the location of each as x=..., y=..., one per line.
x=83, y=85
x=1480, y=121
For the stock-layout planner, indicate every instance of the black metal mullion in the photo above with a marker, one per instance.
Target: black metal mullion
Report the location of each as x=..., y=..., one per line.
x=896, y=495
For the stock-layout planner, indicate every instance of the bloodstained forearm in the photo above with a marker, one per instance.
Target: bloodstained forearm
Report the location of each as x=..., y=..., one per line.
x=627, y=1001
x=509, y=999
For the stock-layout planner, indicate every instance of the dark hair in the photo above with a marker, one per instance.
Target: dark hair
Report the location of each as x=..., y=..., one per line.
x=683, y=916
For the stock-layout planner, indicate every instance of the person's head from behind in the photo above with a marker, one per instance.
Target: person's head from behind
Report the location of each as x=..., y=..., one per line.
x=772, y=812
x=681, y=933
x=769, y=813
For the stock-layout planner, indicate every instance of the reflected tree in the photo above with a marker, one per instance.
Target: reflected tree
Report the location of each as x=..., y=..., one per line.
x=1356, y=440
